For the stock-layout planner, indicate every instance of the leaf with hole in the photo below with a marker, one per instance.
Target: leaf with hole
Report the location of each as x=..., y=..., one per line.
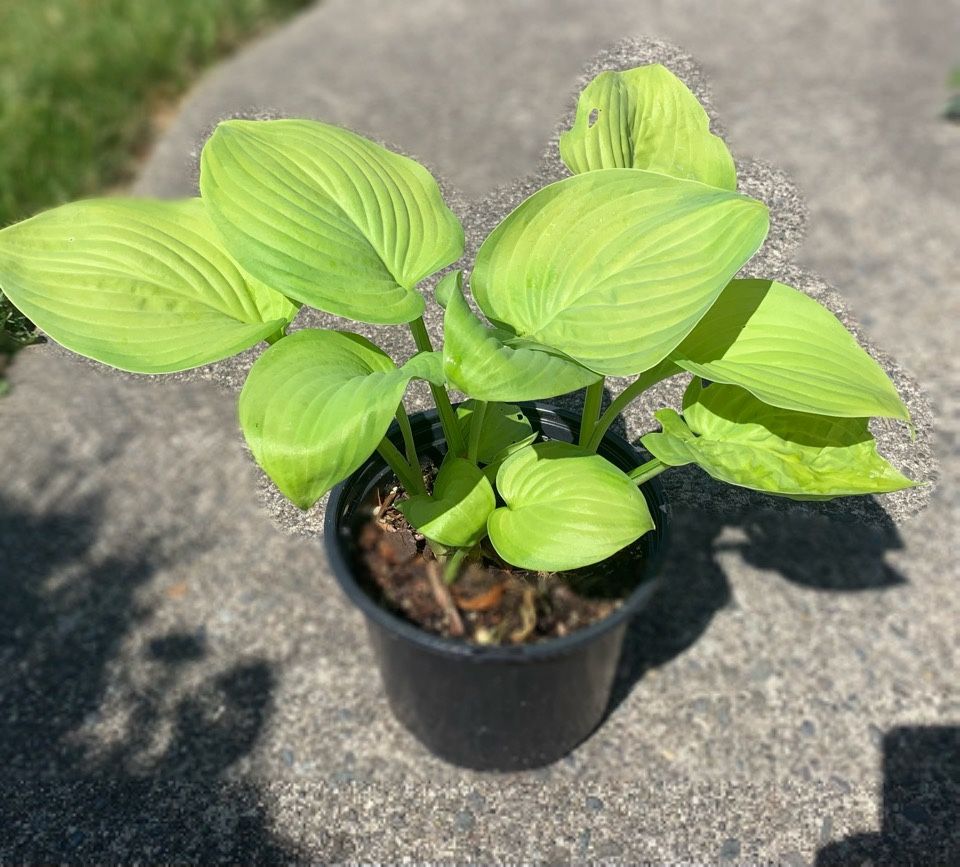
x=615, y=267
x=789, y=351
x=478, y=360
x=646, y=118
x=143, y=286
x=739, y=439
x=457, y=511
x=316, y=405
x=564, y=509
x=343, y=224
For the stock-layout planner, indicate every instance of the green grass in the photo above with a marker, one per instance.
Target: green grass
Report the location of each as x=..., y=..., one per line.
x=80, y=81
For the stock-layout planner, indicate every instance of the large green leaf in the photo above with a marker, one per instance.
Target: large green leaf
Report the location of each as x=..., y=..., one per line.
x=315, y=406
x=337, y=221
x=564, y=509
x=140, y=285
x=615, y=267
x=646, y=118
x=741, y=440
x=789, y=351
x=456, y=513
x=504, y=425
x=477, y=361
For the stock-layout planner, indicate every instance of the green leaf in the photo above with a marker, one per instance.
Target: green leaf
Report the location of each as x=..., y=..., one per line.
x=504, y=425
x=427, y=366
x=741, y=440
x=646, y=118
x=456, y=514
x=498, y=460
x=339, y=222
x=789, y=351
x=564, y=509
x=478, y=361
x=614, y=268
x=140, y=285
x=315, y=406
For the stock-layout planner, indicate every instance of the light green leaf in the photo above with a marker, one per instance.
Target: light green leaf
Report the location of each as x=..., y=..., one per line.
x=315, y=406
x=741, y=440
x=504, y=425
x=456, y=514
x=478, y=361
x=498, y=460
x=564, y=509
x=614, y=268
x=646, y=118
x=427, y=366
x=789, y=351
x=339, y=222
x=140, y=285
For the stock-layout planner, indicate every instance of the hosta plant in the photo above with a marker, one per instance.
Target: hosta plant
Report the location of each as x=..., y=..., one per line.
x=627, y=268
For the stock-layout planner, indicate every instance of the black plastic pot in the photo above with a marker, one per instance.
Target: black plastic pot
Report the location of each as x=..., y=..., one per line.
x=493, y=708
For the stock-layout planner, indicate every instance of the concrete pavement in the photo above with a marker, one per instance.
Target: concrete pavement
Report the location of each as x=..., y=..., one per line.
x=179, y=680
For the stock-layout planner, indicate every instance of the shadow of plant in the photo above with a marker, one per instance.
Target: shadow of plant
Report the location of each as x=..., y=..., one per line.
x=808, y=545
x=67, y=797
x=921, y=803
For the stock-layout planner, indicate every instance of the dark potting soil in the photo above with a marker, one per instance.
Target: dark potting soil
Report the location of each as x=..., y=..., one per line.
x=491, y=602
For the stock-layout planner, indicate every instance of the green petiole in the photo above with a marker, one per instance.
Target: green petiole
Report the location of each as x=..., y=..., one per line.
x=448, y=418
x=451, y=569
x=647, y=379
x=413, y=459
x=591, y=410
x=476, y=426
x=412, y=481
x=647, y=471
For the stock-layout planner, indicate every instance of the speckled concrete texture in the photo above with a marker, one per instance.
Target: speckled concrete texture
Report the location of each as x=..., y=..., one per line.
x=181, y=681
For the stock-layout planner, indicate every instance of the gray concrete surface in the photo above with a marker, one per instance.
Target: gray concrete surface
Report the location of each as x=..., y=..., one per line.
x=181, y=681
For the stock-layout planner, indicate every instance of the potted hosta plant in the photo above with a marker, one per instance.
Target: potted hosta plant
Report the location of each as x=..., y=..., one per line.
x=498, y=546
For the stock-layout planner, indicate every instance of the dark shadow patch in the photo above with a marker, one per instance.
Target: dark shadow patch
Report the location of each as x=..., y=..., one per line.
x=810, y=545
x=921, y=803
x=65, y=799
x=177, y=647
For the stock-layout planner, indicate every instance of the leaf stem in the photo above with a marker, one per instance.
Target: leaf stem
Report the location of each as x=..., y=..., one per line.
x=476, y=426
x=413, y=459
x=391, y=454
x=662, y=371
x=448, y=418
x=451, y=569
x=647, y=471
x=591, y=409
x=279, y=334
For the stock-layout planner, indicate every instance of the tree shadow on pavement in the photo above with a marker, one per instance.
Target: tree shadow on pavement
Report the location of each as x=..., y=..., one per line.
x=157, y=791
x=921, y=803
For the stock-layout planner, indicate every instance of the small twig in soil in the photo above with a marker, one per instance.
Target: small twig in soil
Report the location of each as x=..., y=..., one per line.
x=442, y=594
x=387, y=501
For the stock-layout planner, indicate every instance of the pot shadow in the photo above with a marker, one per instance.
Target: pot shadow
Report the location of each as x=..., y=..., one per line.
x=920, y=821
x=810, y=545
x=159, y=790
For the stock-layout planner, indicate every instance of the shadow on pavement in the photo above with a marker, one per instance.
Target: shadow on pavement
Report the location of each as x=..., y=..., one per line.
x=809, y=545
x=155, y=791
x=921, y=803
